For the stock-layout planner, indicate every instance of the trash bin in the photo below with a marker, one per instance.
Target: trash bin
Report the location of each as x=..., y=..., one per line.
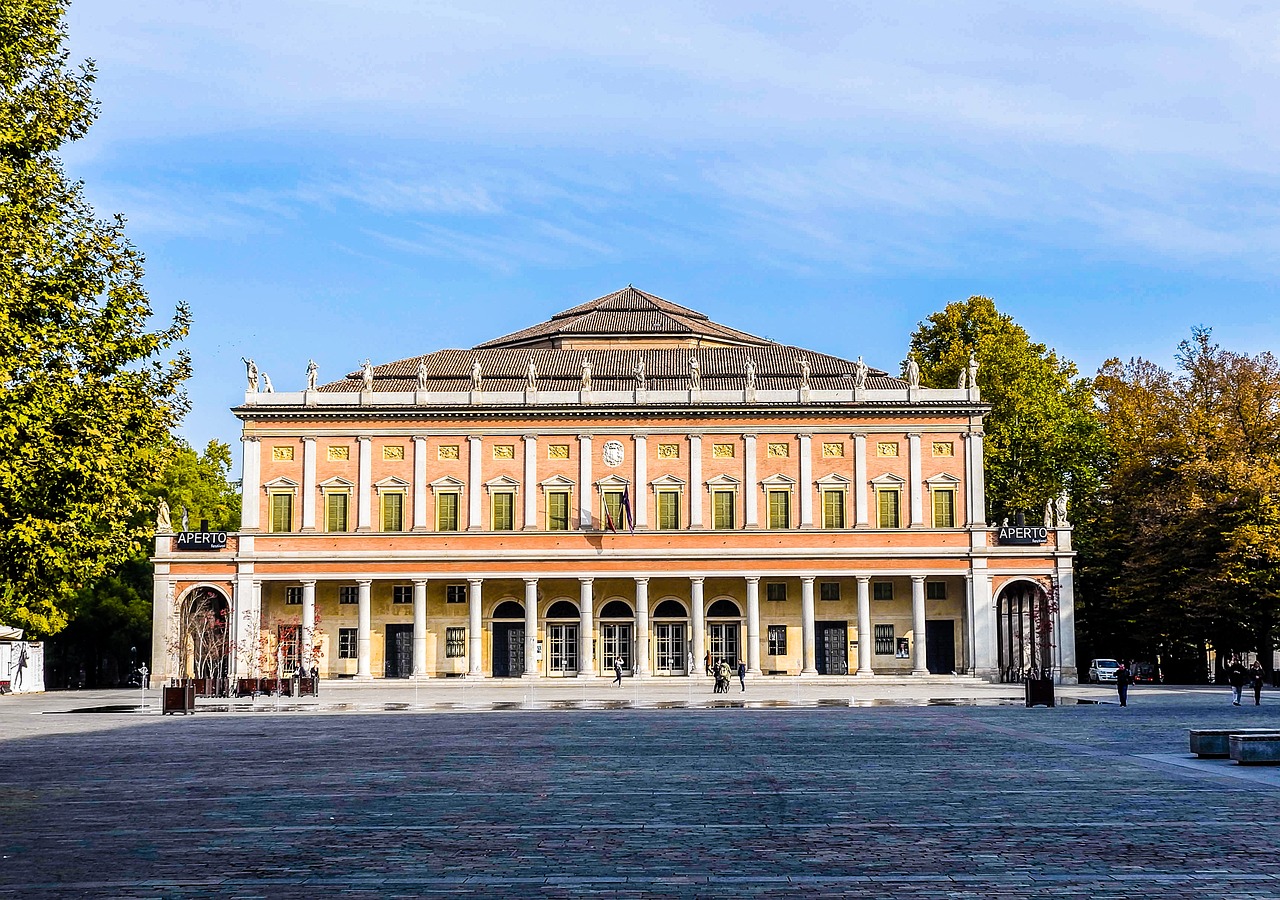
x=1039, y=691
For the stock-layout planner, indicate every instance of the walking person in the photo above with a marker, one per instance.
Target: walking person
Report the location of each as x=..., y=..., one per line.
x=617, y=670
x=1123, y=679
x=707, y=661
x=1235, y=677
x=742, y=675
x=1256, y=674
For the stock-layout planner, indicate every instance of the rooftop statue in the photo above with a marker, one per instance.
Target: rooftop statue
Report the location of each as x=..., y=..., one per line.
x=913, y=372
x=860, y=370
x=312, y=371
x=476, y=378
x=422, y=375
x=586, y=374
x=751, y=374
x=532, y=376
x=805, y=371
x=267, y=387
x=695, y=374
x=973, y=371
x=163, y=523
x=638, y=371
x=251, y=370
x=366, y=375
x=1061, y=504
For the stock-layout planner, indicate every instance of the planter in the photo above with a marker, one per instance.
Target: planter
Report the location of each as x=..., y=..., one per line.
x=179, y=698
x=1039, y=691
x=308, y=687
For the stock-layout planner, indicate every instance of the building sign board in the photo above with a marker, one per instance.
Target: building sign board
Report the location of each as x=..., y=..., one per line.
x=1025, y=535
x=200, y=540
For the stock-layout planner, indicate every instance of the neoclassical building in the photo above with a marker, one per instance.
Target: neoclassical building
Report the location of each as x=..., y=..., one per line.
x=627, y=481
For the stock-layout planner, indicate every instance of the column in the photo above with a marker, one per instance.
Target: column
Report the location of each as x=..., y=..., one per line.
x=975, y=489
x=251, y=490
x=475, y=628
x=531, y=628
x=915, y=481
x=363, y=666
x=640, y=492
x=419, y=483
x=751, y=489
x=699, y=629
x=985, y=658
x=860, y=488
x=696, y=486
x=866, y=638
x=164, y=658
x=584, y=482
x=365, y=488
x=753, y=625
x=307, y=643
x=420, y=628
x=308, y=484
x=919, y=666
x=586, y=637
x=1066, y=623
x=474, y=492
x=806, y=480
x=642, y=627
x=807, y=627
x=530, y=486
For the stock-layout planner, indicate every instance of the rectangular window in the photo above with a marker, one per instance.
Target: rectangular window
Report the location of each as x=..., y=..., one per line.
x=402, y=593
x=829, y=590
x=884, y=640
x=282, y=512
x=779, y=509
x=882, y=590
x=888, y=512
x=611, y=507
x=944, y=509
x=777, y=640
x=288, y=647
x=348, y=594
x=455, y=593
x=447, y=512
x=775, y=591
x=393, y=512
x=668, y=510
x=293, y=596
x=335, y=512
x=455, y=643
x=557, y=510
x=347, y=643
x=504, y=511
x=723, y=507
x=833, y=509
x=935, y=590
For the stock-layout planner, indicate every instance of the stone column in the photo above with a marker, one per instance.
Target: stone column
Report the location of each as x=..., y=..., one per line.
x=807, y=628
x=641, y=655
x=751, y=487
x=699, y=628
x=308, y=484
x=586, y=629
x=695, y=481
x=307, y=643
x=251, y=492
x=753, y=625
x=976, y=488
x=419, y=483
x=531, y=628
x=985, y=660
x=584, y=482
x=860, y=488
x=164, y=628
x=365, y=488
x=866, y=637
x=919, y=666
x=530, y=484
x=915, y=481
x=474, y=448
x=364, y=667
x=1066, y=624
x=419, y=628
x=640, y=496
x=475, y=626
x=806, y=480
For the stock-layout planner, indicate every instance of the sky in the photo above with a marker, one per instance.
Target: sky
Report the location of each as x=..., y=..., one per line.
x=336, y=179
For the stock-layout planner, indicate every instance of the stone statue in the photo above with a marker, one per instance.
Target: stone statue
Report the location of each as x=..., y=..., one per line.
x=312, y=371
x=477, y=379
x=964, y=377
x=1048, y=514
x=251, y=370
x=751, y=374
x=1061, y=504
x=973, y=371
x=695, y=374
x=805, y=371
x=913, y=372
x=163, y=525
x=860, y=371
x=532, y=376
x=586, y=374
x=185, y=521
x=366, y=376
x=267, y=386
x=422, y=375
x=642, y=380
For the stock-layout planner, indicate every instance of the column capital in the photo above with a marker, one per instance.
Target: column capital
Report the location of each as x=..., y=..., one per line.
x=309, y=438
x=531, y=581
x=694, y=436
x=475, y=581
x=918, y=579
x=419, y=437
x=863, y=579
x=970, y=434
x=697, y=579
x=913, y=434
x=805, y=436
x=640, y=438
x=365, y=582
x=750, y=437
x=528, y=437
x=808, y=579
x=418, y=582
x=753, y=579
x=308, y=581
x=585, y=437
x=249, y=438
x=474, y=437
x=585, y=581
x=642, y=580
x=364, y=437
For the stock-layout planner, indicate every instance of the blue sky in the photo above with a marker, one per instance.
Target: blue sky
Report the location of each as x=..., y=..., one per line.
x=347, y=178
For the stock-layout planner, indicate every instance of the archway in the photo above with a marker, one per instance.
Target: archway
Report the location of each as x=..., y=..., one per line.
x=670, y=638
x=508, y=640
x=204, y=636
x=1025, y=616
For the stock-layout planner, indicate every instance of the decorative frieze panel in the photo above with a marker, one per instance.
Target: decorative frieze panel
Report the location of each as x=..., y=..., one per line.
x=282, y=454
x=447, y=451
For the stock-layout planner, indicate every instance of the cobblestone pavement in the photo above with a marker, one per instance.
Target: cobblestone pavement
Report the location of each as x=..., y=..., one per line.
x=955, y=801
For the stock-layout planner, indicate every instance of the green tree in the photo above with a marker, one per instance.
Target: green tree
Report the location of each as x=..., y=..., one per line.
x=87, y=401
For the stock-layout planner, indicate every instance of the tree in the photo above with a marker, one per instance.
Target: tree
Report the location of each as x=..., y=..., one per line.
x=87, y=401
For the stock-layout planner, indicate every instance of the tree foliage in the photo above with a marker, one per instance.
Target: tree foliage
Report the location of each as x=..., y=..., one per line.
x=87, y=400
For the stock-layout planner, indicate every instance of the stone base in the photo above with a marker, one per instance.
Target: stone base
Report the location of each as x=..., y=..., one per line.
x=1256, y=749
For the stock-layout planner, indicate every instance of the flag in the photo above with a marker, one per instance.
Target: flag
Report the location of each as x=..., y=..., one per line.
x=609, y=524
x=627, y=518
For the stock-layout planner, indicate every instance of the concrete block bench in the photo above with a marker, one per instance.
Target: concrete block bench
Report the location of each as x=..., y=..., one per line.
x=1213, y=743
x=1256, y=749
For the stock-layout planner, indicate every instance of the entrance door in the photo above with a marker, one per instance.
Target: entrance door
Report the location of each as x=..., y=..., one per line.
x=724, y=643
x=508, y=649
x=616, y=638
x=399, y=657
x=832, y=649
x=940, y=646
x=669, y=649
x=562, y=654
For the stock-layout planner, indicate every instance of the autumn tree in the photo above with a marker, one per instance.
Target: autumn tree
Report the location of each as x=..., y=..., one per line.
x=87, y=398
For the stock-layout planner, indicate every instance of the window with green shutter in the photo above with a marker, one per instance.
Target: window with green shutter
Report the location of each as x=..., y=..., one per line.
x=887, y=506
x=447, y=512
x=335, y=512
x=833, y=509
x=393, y=512
x=723, y=508
x=668, y=510
x=944, y=508
x=779, y=509
x=611, y=508
x=282, y=512
x=557, y=510
x=504, y=511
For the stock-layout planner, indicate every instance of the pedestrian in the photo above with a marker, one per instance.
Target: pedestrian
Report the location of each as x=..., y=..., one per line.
x=1123, y=680
x=1256, y=673
x=707, y=662
x=726, y=675
x=1235, y=677
x=742, y=675
x=617, y=671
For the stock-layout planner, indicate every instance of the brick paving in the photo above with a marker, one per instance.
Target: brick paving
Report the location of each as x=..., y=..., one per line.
x=959, y=801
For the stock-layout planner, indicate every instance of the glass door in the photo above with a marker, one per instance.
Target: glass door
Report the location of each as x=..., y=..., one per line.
x=724, y=643
x=562, y=658
x=669, y=646
x=616, y=639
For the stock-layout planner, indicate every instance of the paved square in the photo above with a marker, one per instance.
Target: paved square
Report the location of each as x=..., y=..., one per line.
x=925, y=801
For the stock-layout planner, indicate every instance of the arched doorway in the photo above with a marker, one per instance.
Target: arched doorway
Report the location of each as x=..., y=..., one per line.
x=204, y=629
x=508, y=640
x=617, y=625
x=670, y=638
x=724, y=622
x=562, y=638
x=1025, y=614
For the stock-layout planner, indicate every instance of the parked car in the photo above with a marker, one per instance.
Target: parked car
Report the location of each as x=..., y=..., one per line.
x=1103, y=670
x=1145, y=673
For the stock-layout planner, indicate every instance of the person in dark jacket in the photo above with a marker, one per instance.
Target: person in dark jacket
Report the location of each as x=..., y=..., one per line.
x=1256, y=674
x=1235, y=677
x=742, y=675
x=1124, y=678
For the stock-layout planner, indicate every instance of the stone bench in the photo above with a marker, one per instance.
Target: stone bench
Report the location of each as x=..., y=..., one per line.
x=1214, y=743
x=1256, y=749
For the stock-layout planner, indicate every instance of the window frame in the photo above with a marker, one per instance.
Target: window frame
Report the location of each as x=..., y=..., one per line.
x=605, y=495
x=936, y=493
x=348, y=643
x=769, y=591
x=348, y=590
x=883, y=639
x=876, y=591
x=667, y=495
x=456, y=499
x=451, y=592
x=716, y=524
x=840, y=493
x=933, y=588
x=272, y=497
x=823, y=590
x=290, y=592
x=344, y=494
x=552, y=521
x=785, y=494
x=502, y=497
x=776, y=636
x=382, y=510
x=896, y=492
x=401, y=590
x=455, y=642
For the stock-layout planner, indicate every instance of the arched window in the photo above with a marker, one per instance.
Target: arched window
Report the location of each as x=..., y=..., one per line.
x=562, y=609
x=616, y=609
x=670, y=609
x=509, y=609
x=724, y=609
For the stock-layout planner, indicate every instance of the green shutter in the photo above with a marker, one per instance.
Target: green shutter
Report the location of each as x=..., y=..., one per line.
x=282, y=512
x=833, y=509
x=944, y=509
x=668, y=510
x=447, y=512
x=613, y=508
x=557, y=510
x=503, y=512
x=888, y=504
x=335, y=507
x=779, y=509
x=393, y=512
x=722, y=509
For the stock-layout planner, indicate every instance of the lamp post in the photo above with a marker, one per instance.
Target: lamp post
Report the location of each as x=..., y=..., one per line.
x=142, y=678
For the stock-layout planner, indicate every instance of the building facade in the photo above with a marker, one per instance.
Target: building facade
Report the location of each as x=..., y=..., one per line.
x=628, y=481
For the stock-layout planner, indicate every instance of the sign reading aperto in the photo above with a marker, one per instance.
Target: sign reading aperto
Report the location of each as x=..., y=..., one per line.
x=200, y=540
x=1022, y=534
